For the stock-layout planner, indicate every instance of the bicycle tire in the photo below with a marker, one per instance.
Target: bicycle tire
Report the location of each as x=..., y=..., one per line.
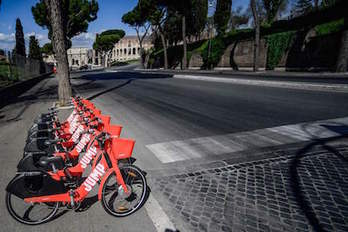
x=108, y=208
x=29, y=222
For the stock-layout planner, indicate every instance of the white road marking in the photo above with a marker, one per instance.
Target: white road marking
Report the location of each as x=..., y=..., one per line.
x=159, y=218
x=173, y=151
x=283, y=84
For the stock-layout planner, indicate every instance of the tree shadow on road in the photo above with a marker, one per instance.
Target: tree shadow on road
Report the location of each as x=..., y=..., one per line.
x=109, y=90
x=128, y=77
x=299, y=183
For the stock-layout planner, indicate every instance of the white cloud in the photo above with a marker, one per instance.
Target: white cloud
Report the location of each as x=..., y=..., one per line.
x=7, y=41
x=7, y=38
x=42, y=38
x=83, y=40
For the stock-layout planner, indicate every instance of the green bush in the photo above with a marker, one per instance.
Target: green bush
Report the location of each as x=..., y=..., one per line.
x=217, y=48
x=277, y=44
x=328, y=28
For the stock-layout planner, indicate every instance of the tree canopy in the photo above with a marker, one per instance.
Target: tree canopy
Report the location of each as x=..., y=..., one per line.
x=76, y=14
x=273, y=8
x=222, y=15
x=47, y=49
x=106, y=41
x=198, y=17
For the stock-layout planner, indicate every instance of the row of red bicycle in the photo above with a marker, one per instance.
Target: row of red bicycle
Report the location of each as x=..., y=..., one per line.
x=54, y=172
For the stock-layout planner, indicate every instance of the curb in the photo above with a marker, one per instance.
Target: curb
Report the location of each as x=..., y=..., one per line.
x=309, y=75
x=11, y=92
x=270, y=83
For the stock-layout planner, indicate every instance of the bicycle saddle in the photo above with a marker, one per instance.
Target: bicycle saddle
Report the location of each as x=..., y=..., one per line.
x=48, y=162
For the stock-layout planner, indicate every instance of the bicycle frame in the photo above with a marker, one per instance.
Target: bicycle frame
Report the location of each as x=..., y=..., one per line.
x=115, y=149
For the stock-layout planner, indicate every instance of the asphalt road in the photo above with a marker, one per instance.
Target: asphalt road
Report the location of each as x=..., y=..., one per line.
x=175, y=122
x=155, y=108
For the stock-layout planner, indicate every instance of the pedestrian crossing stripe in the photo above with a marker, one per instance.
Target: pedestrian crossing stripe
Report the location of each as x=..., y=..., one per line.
x=180, y=150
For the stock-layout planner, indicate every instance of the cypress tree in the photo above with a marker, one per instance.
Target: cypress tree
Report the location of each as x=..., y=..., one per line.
x=20, y=43
x=34, y=49
x=222, y=15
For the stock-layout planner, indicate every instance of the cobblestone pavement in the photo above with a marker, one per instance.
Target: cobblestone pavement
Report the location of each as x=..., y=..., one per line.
x=278, y=194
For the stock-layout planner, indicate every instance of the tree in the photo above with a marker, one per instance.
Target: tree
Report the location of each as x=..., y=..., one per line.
x=238, y=18
x=138, y=18
x=47, y=49
x=256, y=17
x=105, y=42
x=34, y=49
x=76, y=15
x=20, y=43
x=56, y=22
x=273, y=8
x=327, y=3
x=157, y=19
x=172, y=27
x=303, y=6
x=222, y=15
x=198, y=17
x=342, y=61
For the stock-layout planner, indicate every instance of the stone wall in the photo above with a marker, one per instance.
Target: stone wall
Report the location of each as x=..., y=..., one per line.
x=308, y=52
x=240, y=54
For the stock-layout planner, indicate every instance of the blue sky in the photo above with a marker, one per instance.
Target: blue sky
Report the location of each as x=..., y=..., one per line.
x=109, y=16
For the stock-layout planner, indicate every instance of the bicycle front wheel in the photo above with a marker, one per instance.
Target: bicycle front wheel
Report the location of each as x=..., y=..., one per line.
x=30, y=214
x=118, y=203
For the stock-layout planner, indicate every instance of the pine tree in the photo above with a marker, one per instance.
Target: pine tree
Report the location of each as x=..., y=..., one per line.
x=303, y=6
x=20, y=43
x=34, y=49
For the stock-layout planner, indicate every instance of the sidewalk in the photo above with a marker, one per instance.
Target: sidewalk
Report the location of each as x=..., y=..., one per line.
x=15, y=120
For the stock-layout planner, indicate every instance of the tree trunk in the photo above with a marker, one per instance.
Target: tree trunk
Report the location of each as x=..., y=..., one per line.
x=316, y=4
x=58, y=41
x=342, y=60
x=257, y=35
x=164, y=50
x=142, y=58
x=184, y=58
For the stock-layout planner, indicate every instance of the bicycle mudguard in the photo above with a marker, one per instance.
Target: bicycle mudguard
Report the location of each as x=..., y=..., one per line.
x=37, y=144
x=35, y=184
x=27, y=163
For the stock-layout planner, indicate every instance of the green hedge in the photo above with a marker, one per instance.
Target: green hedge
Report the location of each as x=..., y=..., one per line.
x=328, y=28
x=277, y=44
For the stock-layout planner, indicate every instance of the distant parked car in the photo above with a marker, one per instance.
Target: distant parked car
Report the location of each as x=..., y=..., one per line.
x=84, y=67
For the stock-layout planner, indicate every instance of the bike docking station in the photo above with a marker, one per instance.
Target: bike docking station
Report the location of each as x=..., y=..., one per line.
x=50, y=175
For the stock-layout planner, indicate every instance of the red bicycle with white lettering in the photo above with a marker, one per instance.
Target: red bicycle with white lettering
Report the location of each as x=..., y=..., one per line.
x=34, y=197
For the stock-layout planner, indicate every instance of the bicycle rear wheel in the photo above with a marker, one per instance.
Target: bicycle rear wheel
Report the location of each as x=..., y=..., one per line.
x=30, y=214
x=118, y=203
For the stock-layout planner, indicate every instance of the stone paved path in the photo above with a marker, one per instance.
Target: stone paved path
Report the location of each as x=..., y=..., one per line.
x=278, y=194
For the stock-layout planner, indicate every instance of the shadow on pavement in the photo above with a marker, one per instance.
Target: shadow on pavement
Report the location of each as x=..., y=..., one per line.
x=43, y=94
x=109, y=90
x=128, y=77
x=121, y=75
x=300, y=183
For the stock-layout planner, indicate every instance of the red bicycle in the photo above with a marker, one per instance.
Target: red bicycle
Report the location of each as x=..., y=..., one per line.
x=34, y=197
